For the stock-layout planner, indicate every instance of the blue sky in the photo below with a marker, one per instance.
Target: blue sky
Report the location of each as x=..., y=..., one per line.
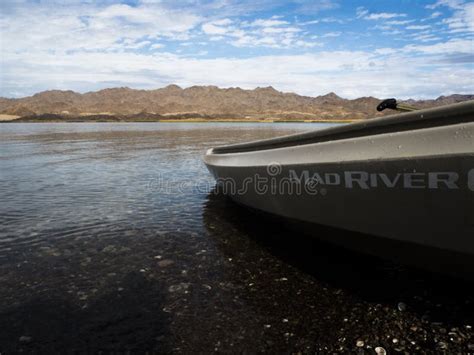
x=382, y=48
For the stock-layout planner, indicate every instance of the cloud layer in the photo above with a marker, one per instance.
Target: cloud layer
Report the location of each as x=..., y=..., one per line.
x=308, y=47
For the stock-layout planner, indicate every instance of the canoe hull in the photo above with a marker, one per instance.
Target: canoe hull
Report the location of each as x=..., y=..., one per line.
x=417, y=201
x=403, y=191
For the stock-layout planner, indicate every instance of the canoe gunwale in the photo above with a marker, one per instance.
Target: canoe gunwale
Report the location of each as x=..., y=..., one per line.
x=453, y=140
x=427, y=118
x=340, y=163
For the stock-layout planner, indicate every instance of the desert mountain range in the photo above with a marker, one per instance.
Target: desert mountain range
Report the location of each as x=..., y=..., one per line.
x=209, y=102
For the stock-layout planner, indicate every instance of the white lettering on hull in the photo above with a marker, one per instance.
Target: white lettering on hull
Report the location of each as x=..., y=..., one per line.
x=364, y=180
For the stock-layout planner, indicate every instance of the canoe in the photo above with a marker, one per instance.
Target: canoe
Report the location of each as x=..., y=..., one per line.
x=404, y=183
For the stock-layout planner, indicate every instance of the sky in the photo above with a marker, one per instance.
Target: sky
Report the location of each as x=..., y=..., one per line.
x=382, y=48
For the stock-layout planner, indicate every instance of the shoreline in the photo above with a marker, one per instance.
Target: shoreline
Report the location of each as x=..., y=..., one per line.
x=184, y=120
x=263, y=121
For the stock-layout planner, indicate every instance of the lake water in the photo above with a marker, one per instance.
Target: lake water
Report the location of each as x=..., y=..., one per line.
x=113, y=238
x=82, y=180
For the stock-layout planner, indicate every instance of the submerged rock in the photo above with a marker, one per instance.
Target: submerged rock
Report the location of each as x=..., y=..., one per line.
x=165, y=263
x=402, y=307
x=25, y=339
x=179, y=287
x=442, y=345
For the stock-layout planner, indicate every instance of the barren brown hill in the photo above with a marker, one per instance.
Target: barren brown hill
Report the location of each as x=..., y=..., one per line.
x=200, y=101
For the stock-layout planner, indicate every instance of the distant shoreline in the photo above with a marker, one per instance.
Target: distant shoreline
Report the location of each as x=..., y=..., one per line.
x=262, y=121
x=176, y=118
x=184, y=120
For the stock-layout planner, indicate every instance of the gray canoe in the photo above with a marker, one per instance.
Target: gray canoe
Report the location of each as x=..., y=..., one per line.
x=406, y=178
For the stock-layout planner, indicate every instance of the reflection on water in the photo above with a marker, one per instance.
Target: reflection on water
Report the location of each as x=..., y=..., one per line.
x=89, y=245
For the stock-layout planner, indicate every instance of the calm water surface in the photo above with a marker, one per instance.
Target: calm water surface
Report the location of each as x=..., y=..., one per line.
x=112, y=238
x=63, y=181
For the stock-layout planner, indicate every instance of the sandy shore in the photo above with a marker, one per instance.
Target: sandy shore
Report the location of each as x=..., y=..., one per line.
x=8, y=117
x=260, y=121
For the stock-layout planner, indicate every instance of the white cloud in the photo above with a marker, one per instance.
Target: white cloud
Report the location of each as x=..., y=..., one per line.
x=436, y=14
x=271, y=32
x=268, y=23
x=383, y=16
x=87, y=27
x=280, y=29
x=418, y=27
x=445, y=48
x=333, y=20
x=223, y=22
x=217, y=27
x=314, y=6
x=323, y=20
x=385, y=51
x=139, y=44
x=363, y=13
x=307, y=44
x=331, y=34
x=399, y=22
x=454, y=4
x=312, y=22
x=426, y=38
x=462, y=19
x=211, y=29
